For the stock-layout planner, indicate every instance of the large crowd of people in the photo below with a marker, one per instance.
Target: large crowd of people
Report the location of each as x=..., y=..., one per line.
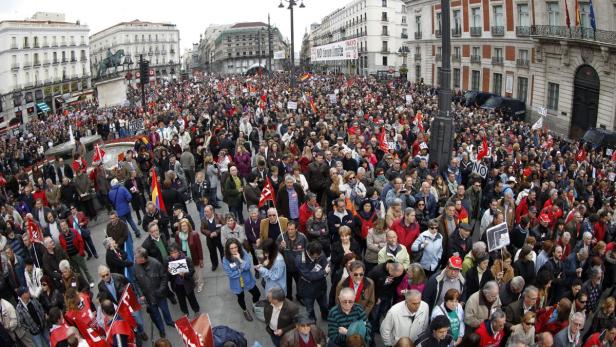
x=321, y=201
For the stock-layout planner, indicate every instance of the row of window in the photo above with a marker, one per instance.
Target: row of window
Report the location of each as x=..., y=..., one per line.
x=47, y=76
x=36, y=42
x=36, y=58
x=137, y=38
x=497, y=53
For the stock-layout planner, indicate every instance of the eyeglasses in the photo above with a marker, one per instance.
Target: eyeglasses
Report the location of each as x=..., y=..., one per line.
x=421, y=204
x=271, y=215
x=583, y=302
x=361, y=274
x=453, y=268
x=433, y=228
x=105, y=275
x=529, y=323
x=346, y=301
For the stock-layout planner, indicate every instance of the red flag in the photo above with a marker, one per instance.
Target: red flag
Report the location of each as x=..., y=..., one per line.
x=157, y=196
x=34, y=231
x=381, y=138
x=203, y=328
x=581, y=155
x=99, y=153
x=614, y=155
x=187, y=332
x=121, y=157
x=484, y=149
x=577, y=13
x=120, y=327
x=127, y=305
x=419, y=121
x=2, y=181
x=267, y=193
x=313, y=106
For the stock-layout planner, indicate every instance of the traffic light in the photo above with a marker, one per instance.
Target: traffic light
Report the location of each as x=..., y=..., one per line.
x=144, y=70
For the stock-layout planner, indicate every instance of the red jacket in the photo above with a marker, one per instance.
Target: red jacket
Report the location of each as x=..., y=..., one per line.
x=600, y=231
x=304, y=214
x=82, y=220
x=554, y=327
x=595, y=340
x=77, y=242
x=406, y=234
x=40, y=194
x=488, y=338
x=196, y=250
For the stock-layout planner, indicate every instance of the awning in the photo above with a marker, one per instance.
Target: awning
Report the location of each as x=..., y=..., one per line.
x=72, y=99
x=43, y=107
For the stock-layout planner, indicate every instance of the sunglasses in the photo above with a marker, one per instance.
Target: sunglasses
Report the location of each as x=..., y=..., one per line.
x=583, y=302
x=347, y=301
x=359, y=274
x=529, y=323
x=433, y=228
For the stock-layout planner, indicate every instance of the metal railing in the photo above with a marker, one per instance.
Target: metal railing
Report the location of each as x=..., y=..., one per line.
x=384, y=33
x=14, y=46
x=563, y=32
x=437, y=33
x=46, y=62
x=404, y=36
x=525, y=63
x=15, y=66
x=456, y=58
x=418, y=35
x=27, y=65
x=475, y=59
x=476, y=31
x=522, y=31
x=438, y=57
x=456, y=32
x=497, y=61
x=384, y=50
x=417, y=56
x=498, y=31
x=37, y=63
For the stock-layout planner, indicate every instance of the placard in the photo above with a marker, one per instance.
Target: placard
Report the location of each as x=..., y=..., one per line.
x=409, y=99
x=278, y=55
x=480, y=169
x=135, y=125
x=333, y=99
x=498, y=237
x=292, y=105
x=177, y=267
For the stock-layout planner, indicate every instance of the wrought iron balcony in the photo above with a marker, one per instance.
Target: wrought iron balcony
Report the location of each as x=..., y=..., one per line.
x=15, y=66
x=27, y=65
x=384, y=50
x=418, y=35
x=384, y=33
x=404, y=35
x=497, y=60
x=46, y=62
x=438, y=57
x=14, y=46
x=417, y=57
x=522, y=31
x=498, y=31
x=475, y=59
x=456, y=32
x=37, y=63
x=476, y=31
x=562, y=32
x=456, y=58
x=524, y=63
x=437, y=33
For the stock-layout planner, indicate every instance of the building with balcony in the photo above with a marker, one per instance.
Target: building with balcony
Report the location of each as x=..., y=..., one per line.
x=41, y=59
x=523, y=49
x=381, y=28
x=240, y=47
x=159, y=43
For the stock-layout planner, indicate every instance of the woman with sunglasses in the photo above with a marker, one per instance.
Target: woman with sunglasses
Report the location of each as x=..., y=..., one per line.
x=364, y=286
x=523, y=332
x=237, y=265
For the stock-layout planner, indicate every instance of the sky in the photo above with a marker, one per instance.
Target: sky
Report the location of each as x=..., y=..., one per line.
x=191, y=17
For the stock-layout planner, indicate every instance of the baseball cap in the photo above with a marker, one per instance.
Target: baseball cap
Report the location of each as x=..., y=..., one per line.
x=544, y=218
x=512, y=179
x=455, y=262
x=465, y=226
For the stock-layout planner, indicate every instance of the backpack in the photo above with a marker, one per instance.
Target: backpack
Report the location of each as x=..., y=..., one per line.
x=223, y=334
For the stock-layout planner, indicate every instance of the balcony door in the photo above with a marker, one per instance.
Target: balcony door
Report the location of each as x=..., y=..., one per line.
x=585, y=101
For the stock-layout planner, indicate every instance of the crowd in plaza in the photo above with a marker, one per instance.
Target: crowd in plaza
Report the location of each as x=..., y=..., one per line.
x=335, y=213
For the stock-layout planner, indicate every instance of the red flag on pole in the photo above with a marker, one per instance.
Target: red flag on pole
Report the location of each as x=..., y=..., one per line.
x=581, y=155
x=99, y=153
x=313, y=107
x=567, y=18
x=267, y=193
x=127, y=305
x=34, y=231
x=187, y=332
x=484, y=149
x=419, y=121
x=381, y=138
x=157, y=196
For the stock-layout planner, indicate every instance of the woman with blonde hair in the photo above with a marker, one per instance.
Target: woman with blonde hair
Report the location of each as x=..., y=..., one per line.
x=189, y=243
x=414, y=278
x=333, y=189
x=523, y=332
x=502, y=268
x=394, y=212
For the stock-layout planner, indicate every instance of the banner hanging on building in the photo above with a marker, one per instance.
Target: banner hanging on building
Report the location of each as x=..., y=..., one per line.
x=342, y=50
x=278, y=55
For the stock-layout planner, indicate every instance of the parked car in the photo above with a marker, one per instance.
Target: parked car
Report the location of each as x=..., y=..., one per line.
x=510, y=108
x=600, y=138
x=476, y=98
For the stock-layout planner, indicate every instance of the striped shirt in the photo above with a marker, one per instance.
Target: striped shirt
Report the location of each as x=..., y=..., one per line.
x=337, y=318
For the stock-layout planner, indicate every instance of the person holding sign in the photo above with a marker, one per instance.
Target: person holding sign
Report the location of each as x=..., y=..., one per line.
x=182, y=281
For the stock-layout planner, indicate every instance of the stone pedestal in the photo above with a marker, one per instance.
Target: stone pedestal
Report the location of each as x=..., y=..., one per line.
x=111, y=92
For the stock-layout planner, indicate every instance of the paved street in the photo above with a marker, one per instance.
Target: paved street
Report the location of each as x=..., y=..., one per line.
x=215, y=299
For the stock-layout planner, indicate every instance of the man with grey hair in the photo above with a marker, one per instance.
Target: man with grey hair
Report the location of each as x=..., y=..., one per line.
x=516, y=310
x=510, y=291
x=152, y=279
x=507, y=207
x=492, y=331
x=343, y=315
x=279, y=314
x=408, y=318
x=545, y=340
x=571, y=336
x=480, y=304
x=479, y=247
x=399, y=192
x=573, y=265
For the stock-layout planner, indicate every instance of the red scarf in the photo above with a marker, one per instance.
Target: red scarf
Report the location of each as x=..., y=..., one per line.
x=359, y=288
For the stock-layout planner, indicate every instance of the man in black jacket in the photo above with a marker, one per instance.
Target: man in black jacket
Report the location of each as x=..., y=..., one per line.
x=152, y=213
x=460, y=241
x=152, y=279
x=386, y=278
x=313, y=270
x=317, y=172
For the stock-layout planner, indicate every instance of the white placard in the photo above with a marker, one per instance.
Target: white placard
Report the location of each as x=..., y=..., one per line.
x=509, y=84
x=332, y=98
x=409, y=99
x=480, y=169
x=342, y=50
x=177, y=267
x=278, y=55
x=497, y=236
x=292, y=105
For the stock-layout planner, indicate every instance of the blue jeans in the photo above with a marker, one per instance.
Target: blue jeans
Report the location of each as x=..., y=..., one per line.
x=155, y=314
x=128, y=218
x=41, y=339
x=309, y=303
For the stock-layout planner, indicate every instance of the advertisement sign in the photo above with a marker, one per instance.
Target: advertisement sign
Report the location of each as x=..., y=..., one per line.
x=342, y=50
x=278, y=55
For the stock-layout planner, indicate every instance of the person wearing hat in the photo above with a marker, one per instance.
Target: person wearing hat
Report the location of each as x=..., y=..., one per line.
x=438, y=335
x=460, y=241
x=441, y=282
x=31, y=316
x=408, y=318
x=179, y=213
x=306, y=331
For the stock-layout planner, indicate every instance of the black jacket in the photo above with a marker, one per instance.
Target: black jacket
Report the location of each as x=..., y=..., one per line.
x=117, y=264
x=472, y=280
x=161, y=217
x=286, y=318
x=382, y=289
x=283, y=199
x=313, y=278
x=119, y=283
x=153, y=252
x=457, y=245
x=152, y=279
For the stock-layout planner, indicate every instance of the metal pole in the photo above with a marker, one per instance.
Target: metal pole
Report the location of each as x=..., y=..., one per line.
x=442, y=125
x=143, y=104
x=292, y=71
x=259, y=45
x=269, y=47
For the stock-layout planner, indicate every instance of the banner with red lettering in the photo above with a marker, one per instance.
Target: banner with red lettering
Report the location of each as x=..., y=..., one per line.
x=187, y=332
x=196, y=333
x=127, y=305
x=34, y=231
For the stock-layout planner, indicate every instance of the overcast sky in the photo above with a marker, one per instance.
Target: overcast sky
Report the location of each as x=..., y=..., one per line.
x=191, y=17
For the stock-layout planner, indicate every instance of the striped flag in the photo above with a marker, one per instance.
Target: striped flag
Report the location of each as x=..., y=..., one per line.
x=593, y=22
x=267, y=193
x=567, y=19
x=577, y=13
x=157, y=196
x=99, y=153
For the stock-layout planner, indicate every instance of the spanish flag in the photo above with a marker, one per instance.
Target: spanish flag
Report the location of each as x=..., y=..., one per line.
x=157, y=196
x=313, y=106
x=305, y=76
x=577, y=13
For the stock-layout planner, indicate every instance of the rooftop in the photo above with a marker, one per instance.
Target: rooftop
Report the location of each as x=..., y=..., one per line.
x=248, y=25
x=135, y=22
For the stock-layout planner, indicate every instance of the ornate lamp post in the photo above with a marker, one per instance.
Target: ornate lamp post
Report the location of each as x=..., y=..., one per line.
x=403, y=52
x=292, y=3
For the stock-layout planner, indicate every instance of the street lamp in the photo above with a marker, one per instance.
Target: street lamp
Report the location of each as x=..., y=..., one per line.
x=403, y=52
x=292, y=3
